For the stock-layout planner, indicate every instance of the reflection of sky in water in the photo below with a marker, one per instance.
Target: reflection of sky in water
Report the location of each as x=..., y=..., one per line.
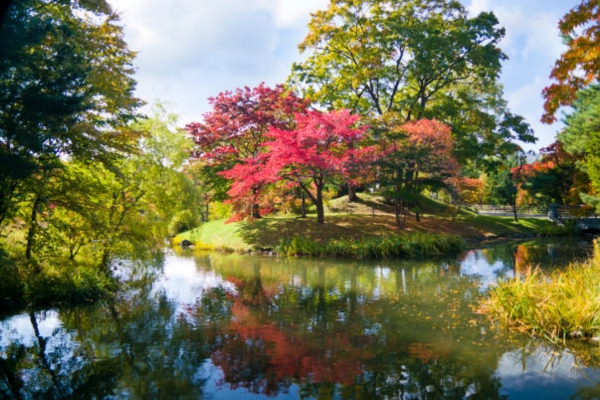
x=184, y=283
x=220, y=390
x=19, y=329
x=522, y=377
x=544, y=374
x=475, y=263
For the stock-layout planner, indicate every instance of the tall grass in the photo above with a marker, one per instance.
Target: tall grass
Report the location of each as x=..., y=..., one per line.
x=392, y=246
x=557, y=305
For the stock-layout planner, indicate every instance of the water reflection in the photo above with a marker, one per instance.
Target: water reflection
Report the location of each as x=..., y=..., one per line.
x=227, y=326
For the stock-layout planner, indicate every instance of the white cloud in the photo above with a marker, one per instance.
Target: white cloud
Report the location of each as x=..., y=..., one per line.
x=527, y=101
x=190, y=50
x=292, y=12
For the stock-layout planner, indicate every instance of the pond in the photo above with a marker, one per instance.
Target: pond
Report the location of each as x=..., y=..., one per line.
x=247, y=326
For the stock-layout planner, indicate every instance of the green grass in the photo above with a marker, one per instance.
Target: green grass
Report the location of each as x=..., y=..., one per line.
x=557, y=305
x=269, y=231
x=362, y=225
x=392, y=246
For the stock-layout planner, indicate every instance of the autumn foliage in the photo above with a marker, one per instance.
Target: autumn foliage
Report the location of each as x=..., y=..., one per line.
x=321, y=148
x=579, y=65
x=235, y=127
x=233, y=133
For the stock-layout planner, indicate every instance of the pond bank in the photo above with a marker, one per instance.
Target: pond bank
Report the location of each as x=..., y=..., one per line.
x=270, y=232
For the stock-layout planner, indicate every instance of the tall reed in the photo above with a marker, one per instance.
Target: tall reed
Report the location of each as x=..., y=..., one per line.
x=557, y=305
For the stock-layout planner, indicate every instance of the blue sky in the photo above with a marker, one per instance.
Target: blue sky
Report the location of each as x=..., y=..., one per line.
x=189, y=50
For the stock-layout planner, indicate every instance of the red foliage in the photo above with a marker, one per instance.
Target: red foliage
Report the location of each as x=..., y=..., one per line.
x=234, y=129
x=529, y=170
x=430, y=142
x=233, y=132
x=322, y=147
x=269, y=356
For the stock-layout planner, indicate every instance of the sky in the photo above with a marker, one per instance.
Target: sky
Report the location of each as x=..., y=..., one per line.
x=190, y=50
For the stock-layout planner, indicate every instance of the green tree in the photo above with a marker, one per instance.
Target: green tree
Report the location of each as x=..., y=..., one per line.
x=504, y=179
x=581, y=138
x=417, y=58
x=66, y=89
x=555, y=178
x=113, y=209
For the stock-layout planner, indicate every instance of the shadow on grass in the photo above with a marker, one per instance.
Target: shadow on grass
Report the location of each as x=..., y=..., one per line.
x=266, y=232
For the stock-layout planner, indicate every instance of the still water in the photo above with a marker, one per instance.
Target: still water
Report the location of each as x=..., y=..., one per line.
x=248, y=327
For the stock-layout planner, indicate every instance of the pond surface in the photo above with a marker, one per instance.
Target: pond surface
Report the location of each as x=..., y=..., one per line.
x=232, y=326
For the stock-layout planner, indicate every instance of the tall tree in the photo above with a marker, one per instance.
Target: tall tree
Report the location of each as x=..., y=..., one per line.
x=581, y=138
x=415, y=156
x=504, y=180
x=555, y=178
x=234, y=130
x=316, y=152
x=66, y=88
x=411, y=57
x=579, y=65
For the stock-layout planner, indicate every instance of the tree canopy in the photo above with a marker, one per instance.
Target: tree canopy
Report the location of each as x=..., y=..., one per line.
x=317, y=151
x=579, y=65
x=66, y=88
x=415, y=58
x=581, y=137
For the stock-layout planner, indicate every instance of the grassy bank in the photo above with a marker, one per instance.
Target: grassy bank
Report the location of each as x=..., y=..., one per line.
x=367, y=226
x=557, y=305
x=390, y=246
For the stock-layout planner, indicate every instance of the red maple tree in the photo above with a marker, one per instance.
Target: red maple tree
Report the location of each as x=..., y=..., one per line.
x=322, y=148
x=233, y=132
x=235, y=127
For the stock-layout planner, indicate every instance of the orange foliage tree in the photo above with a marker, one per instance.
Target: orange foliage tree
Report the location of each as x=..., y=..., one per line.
x=579, y=65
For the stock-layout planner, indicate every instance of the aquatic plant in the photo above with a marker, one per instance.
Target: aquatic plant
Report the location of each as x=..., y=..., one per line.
x=557, y=305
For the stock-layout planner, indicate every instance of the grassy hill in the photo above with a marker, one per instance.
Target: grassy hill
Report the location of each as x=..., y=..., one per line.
x=368, y=218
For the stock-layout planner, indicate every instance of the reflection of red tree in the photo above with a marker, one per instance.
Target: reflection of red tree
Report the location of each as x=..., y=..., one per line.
x=522, y=260
x=427, y=352
x=260, y=356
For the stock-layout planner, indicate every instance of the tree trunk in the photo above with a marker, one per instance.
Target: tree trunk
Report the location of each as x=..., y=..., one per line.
x=352, y=193
x=303, y=205
x=255, y=211
x=32, y=228
x=12, y=378
x=398, y=210
x=514, y=210
x=319, y=205
x=43, y=359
